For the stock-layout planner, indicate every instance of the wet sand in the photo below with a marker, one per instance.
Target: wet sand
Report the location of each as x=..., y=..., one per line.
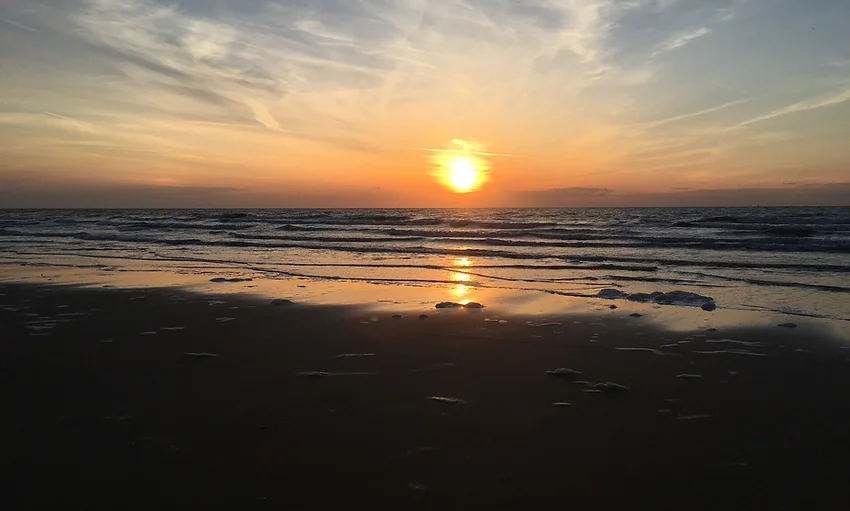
x=126, y=398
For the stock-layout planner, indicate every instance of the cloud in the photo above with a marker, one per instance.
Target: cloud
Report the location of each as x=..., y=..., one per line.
x=827, y=100
x=680, y=40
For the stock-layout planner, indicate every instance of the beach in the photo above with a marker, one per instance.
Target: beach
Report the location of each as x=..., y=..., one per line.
x=123, y=397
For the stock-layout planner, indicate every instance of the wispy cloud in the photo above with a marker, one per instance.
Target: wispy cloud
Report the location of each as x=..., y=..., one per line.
x=833, y=98
x=680, y=40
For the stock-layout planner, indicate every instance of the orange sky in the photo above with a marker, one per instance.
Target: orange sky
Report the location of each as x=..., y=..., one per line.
x=585, y=102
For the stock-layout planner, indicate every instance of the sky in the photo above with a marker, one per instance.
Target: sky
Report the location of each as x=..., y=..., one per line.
x=366, y=103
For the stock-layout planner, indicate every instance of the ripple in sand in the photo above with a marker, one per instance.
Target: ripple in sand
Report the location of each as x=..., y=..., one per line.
x=689, y=376
x=199, y=355
x=610, y=386
x=732, y=341
x=322, y=374
x=731, y=352
x=447, y=400
x=694, y=417
x=224, y=319
x=650, y=350
x=148, y=333
x=548, y=323
x=562, y=404
x=353, y=355
x=563, y=371
x=173, y=328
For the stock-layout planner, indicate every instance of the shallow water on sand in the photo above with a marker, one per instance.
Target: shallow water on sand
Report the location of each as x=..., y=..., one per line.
x=750, y=263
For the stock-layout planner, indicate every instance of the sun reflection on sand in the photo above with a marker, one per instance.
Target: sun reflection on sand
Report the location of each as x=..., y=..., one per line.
x=462, y=261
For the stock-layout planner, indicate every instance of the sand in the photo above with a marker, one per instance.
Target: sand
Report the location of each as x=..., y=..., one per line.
x=307, y=407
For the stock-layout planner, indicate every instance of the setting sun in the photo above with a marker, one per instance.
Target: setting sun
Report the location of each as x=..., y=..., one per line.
x=462, y=174
x=461, y=170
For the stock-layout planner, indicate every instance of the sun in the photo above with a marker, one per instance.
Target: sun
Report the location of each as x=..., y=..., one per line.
x=462, y=174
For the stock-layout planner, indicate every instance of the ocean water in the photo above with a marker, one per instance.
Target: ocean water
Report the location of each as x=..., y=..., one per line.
x=794, y=261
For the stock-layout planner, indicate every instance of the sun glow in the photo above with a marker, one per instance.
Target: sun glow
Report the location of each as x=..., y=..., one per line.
x=464, y=169
x=462, y=174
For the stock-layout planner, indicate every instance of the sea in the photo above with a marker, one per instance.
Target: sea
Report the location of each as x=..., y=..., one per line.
x=792, y=261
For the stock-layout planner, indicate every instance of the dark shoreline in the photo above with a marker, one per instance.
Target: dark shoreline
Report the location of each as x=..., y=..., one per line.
x=134, y=421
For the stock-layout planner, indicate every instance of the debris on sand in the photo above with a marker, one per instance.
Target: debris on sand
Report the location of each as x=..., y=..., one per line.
x=563, y=371
x=636, y=315
x=353, y=355
x=455, y=305
x=612, y=307
x=447, y=400
x=689, y=376
x=709, y=306
x=396, y=316
x=423, y=316
x=281, y=301
x=199, y=355
x=787, y=325
x=235, y=279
